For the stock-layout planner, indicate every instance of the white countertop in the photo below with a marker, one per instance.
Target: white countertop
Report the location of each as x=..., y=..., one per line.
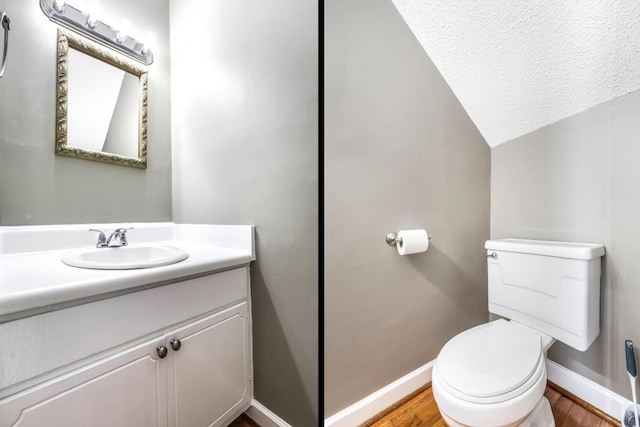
x=38, y=279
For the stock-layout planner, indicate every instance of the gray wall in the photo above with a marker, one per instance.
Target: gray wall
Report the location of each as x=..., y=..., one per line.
x=38, y=187
x=579, y=180
x=245, y=146
x=400, y=153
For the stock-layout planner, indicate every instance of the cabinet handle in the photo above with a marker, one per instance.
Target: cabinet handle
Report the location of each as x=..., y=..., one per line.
x=176, y=344
x=162, y=351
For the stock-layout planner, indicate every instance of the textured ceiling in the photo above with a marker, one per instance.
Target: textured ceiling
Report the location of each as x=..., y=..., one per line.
x=517, y=66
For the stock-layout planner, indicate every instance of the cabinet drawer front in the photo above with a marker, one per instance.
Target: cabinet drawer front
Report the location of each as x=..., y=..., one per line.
x=35, y=345
x=124, y=390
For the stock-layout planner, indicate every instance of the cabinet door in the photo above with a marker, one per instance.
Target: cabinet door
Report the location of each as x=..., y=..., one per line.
x=209, y=376
x=126, y=389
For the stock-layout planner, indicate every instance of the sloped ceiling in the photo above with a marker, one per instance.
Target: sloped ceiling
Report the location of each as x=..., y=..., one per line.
x=517, y=66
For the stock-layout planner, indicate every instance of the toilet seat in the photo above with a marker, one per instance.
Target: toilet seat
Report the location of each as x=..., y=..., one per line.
x=491, y=375
x=540, y=373
x=492, y=362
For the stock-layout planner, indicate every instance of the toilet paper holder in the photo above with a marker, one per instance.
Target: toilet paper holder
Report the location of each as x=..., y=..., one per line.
x=392, y=239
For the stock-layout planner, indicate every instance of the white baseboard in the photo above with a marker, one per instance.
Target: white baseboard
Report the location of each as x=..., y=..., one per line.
x=595, y=394
x=378, y=401
x=263, y=416
x=602, y=398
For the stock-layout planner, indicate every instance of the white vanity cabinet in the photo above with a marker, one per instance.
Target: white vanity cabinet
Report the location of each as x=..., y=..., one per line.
x=177, y=355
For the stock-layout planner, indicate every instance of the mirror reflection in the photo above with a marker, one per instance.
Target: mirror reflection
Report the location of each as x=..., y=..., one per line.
x=110, y=125
x=101, y=113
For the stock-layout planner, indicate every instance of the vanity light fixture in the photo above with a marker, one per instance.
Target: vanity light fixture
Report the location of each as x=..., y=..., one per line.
x=86, y=24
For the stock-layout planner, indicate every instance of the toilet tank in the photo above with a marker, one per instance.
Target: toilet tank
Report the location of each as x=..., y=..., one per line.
x=553, y=287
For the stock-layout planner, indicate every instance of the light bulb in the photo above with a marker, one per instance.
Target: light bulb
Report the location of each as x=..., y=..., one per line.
x=58, y=5
x=94, y=10
x=92, y=21
x=149, y=40
x=120, y=36
x=123, y=31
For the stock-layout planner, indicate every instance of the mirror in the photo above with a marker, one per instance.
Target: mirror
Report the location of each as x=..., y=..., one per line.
x=101, y=104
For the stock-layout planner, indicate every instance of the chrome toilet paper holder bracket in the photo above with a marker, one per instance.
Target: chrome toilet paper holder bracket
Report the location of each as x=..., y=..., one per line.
x=392, y=239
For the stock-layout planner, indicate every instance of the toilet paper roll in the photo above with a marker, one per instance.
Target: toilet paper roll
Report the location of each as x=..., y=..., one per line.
x=413, y=242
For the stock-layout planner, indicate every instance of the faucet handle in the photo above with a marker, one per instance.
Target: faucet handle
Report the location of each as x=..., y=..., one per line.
x=102, y=239
x=122, y=235
x=122, y=230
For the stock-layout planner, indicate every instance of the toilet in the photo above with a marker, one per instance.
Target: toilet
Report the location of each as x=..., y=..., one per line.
x=494, y=374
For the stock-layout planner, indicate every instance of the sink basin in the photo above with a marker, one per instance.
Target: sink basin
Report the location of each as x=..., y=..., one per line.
x=125, y=257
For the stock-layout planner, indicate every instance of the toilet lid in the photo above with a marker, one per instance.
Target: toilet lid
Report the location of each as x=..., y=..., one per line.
x=490, y=359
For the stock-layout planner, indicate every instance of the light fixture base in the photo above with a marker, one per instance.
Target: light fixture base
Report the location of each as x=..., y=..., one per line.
x=74, y=19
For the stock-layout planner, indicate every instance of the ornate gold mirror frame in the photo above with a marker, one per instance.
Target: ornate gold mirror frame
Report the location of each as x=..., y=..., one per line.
x=65, y=41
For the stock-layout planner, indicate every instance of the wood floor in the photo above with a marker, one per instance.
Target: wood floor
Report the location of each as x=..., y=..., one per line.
x=420, y=410
x=244, y=421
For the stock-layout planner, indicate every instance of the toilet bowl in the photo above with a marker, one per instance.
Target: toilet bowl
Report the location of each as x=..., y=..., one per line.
x=493, y=375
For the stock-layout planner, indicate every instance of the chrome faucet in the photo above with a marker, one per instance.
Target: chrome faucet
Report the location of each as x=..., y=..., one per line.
x=116, y=239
